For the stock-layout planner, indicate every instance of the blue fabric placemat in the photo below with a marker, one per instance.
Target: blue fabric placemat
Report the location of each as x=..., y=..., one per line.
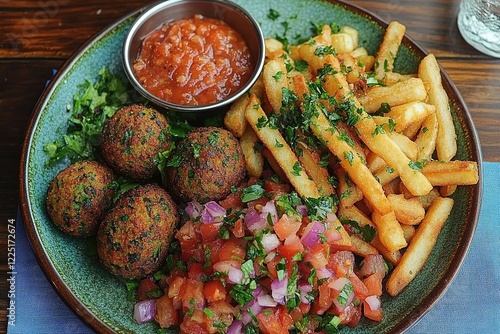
x=471, y=304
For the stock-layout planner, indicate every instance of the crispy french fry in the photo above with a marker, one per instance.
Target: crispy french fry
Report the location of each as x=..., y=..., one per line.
x=409, y=232
x=391, y=256
x=451, y=173
x=351, y=32
x=355, y=214
x=392, y=78
x=274, y=48
x=407, y=146
x=400, y=93
x=310, y=161
x=420, y=247
x=426, y=200
x=343, y=42
x=275, y=166
x=275, y=79
x=253, y=158
x=389, y=231
x=374, y=162
x=407, y=211
x=409, y=113
x=378, y=142
x=426, y=139
x=388, y=49
x=234, y=119
x=446, y=191
x=347, y=191
x=361, y=247
x=274, y=142
x=446, y=142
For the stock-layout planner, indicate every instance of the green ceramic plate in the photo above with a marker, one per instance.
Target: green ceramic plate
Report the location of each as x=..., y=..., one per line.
x=99, y=299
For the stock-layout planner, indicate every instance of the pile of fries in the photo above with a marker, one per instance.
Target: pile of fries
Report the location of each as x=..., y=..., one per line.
x=387, y=139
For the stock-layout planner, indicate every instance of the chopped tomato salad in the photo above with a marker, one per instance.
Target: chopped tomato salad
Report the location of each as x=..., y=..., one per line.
x=262, y=260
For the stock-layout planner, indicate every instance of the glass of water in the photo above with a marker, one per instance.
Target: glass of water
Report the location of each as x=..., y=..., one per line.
x=479, y=24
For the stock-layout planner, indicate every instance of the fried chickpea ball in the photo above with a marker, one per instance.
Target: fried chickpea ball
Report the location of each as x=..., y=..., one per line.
x=78, y=197
x=131, y=140
x=134, y=236
x=207, y=164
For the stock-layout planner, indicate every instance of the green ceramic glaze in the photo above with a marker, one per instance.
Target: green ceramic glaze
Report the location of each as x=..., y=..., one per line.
x=99, y=298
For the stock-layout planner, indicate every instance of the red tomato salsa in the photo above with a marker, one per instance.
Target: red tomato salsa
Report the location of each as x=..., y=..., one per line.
x=263, y=261
x=193, y=61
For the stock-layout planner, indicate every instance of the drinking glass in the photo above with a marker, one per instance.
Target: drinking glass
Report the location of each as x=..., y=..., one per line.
x=479, y=24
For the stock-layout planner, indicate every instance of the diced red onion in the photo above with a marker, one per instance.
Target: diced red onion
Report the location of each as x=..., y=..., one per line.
x=258, y=292
x=236, y=327
x=267, y=209
x=302, y=210
x=254, y=308
x=310, y=238
x=269, y=257
x=193, y=209
x=324, y=273
x=253, y=220
x=225, y=266
x=270, y=241
x=215, y=209
x=145, y=311
x=373, y=302
x=266, y=301
x=304, y=289
x=235, y=275
x=279, y=289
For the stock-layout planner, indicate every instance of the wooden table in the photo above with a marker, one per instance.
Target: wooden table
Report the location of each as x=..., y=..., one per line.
x=37, y=36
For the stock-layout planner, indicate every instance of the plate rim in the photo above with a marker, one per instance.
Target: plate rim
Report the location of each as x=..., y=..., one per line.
x=98, y=324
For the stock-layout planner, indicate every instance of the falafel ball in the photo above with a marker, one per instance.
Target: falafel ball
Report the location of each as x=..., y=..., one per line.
x=134, y=236
x=131, y=140
x=78, y=197
x=207, y=164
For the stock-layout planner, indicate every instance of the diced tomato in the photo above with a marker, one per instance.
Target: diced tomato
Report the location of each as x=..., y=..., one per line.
x=276, y=188
x=214, y=291
x=145, y=287
x=176, y=291
x=193, y=295
x=274, y=321
x=375, y=315
x=195, y=269
x=324, y=300
x=188, y=326
x=239, y=228
x=374, y=284
x=259, y=202
x=342, y=263
x=232, y=250
x=221, y=313
x=232, y=201
x=286, y=226
x=359, y=287
x=209, y=231
x=291, y=247
x=166, y=314
x=190, y=242
x=214, y=249
x=318, y=256
x=350, y=316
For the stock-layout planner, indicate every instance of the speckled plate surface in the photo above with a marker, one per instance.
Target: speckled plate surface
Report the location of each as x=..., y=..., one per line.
x=100, y=299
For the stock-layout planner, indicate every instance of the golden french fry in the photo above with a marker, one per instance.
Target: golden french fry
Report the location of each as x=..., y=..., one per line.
x=342, y=42
x=351, y=32
x=409, y=232
x=275, y=79
x=351, y=162
x=275, y=166
x=446, y=142
x=347, y=191
x=391, y=256
x=361, y=247
x=274, y=48
x=420, y=247
x=386, y=175
x=377, y=141
x=451, y=173
x=407, y=211
x=388, y=49
x=446, y=191
x=374, y=162
x=359, y=51
x=407, y=91
x=319, y=174
x=355, y=214
x=426, y=200
x=426, y=139
x=253, y=157
x=234, y=119
x=274, y=142
x=392, y=78
x=407, y=146
x=410, y=113
x=389, y=231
